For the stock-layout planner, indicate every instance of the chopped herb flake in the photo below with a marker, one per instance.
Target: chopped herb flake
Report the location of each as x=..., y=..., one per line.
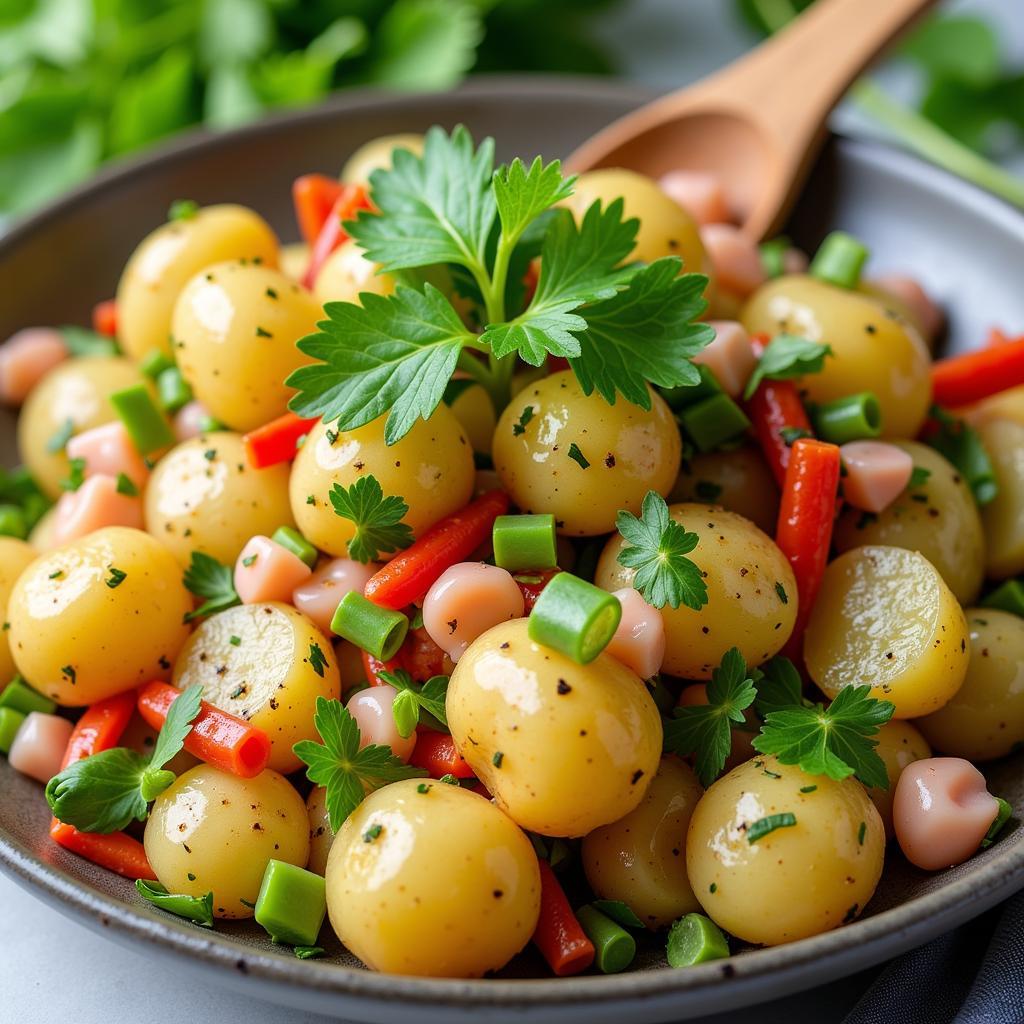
x=764, y=826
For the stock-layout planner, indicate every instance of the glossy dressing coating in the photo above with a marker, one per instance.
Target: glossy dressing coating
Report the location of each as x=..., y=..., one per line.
x=38, y=748
x=876, y=474
x=318, y=596
x=266, y=571
x=25, y=358
x=735, y=257
x=941, y=811
x=372, y=711
x=699, y=193
x=639, y=640
x=96, y=504
x=730, y=356
x=108, y=449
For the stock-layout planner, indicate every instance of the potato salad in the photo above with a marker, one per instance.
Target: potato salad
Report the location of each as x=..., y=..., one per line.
x=518, y=565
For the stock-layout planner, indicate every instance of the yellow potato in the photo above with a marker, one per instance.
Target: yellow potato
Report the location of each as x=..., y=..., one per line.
x=530, y=720
x=473, y=408
x=743, y=570
x=431, y=468
x=641, y=858
x=1005, y=405
x=376, y=154
x=873, y=348
x=76, y=638
x=793, y=882
x=1001, y=518
x=433, y=880
x=41, y=535
x=214, y=832
x=884, y=618
x=630, y=450
x=347, y=273
x=235, y=326
x=985, y=718
x=15, y=557
x=268, y=677
x=321, y=835
x=76, y=390
x=168, y=257
x=204, y=496
x=939, y=519
x=294, y=259
x=899, y=744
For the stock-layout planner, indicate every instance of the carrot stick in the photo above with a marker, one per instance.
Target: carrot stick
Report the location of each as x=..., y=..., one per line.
x=276, y=441
x=374, y=666
x=313, y=196
x=216, y=737
x=559, y=936
x=114, y=851
x=960, y=380
x=436, y=752
x=100, y=727
x=352, y=199
x=774, y=407
x=104, y=318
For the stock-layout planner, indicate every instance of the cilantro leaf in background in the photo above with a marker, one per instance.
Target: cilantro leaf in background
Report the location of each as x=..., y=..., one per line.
x=657, y=549
x=378, y=520
x=412, y=699
x=207, y=578
x=705, y=730
x=835, y=741
x=787, y=356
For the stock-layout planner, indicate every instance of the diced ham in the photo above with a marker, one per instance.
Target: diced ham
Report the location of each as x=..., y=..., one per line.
x=734, y=257
x=38, y=748
x=267, y=571
x=108, y=449
x=909, y=291
x=730, y=356
x=25, y=359
x=876, y=474
x=700, y=193
x=188, y=421
x=639, y=641
x=372, y=710
x=93, y=506
x=317, y=597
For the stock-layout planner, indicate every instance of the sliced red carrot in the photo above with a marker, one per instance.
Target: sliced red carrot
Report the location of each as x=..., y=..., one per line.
x=313, y=196
x=436, y=752
x=276, y=441
x=961, y=380
x=775, y=411
x=104, y=318
x=352, y=199
x=100, y=727
x=559, y=936
x=114, y=851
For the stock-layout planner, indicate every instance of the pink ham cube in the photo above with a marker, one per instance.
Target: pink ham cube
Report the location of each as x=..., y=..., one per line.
x=188, y=421
x=318, y=596
x=266, y=571
x=699, y=193
x=730, y=356
x=639, y=642
x=735, y=258
x=96, y=504
x=109, y=450
x=38, y=748
x=876, y=474
x=25, y=359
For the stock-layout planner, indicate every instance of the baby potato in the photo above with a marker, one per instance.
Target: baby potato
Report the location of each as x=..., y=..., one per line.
x=1001, y=518
x=41, y=535
x=235, y=326
x=76, y=390
x=530, y=720
x=15, y=557
x=431, y=468
x=985, y=718
x=746, y=576
x=641, y=858
x=294, y=259
x=376, y=154
x=204, y=496
x=899, y=744
x=432, y=880
x=81, y=631
x=1004, y=405
x=472, y=407
x=884, y=618
x=630, y=452
x=347, y=273
x=321, y=835
x=939, y=519
x=794, y=881
x=271, y=677
x=738, y=480
x=214, y=832
x=168, y=257
x=873, y=348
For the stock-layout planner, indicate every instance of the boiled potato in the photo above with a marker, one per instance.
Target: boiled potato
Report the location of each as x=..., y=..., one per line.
x=873, y=348
x=1003, y=517
x=641, y=858
x=41, y=535
x=899, y=744
x=214, y=832
x=347, y=273
x=738, y=480
x=431, y=468
x=795, y=881
x=630, y=451
x=939, y=519
x=78, y=638
x=76, y=390
x=746, y=576
x=430, y=879
x=321, y=835
x=235, y=326
x=168, y=257
x=15, y=557
x=1004, y=405
x=377, y=154
x=884, y=618
x=204, y=496
x=530, y=720
x=985, y=718
x=472, y=407
x=269, y=677
x=294, y=260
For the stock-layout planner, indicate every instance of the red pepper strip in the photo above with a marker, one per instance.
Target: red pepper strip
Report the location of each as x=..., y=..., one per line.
x=374, y=666
x=314, y=195
x=217, y=737
x=774, y=406
x=104, y=318
x=100, y=727
x=410, y=574
x=435, y=751
x=352, y=199
x=806, y=515
x=999, y=337
x=276, y=441
x=532, y=590
x=421, y=657
x=558, y=935
x=114, y=851
x=961, y=380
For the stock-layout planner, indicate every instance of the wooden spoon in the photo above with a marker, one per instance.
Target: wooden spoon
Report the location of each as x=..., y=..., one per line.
x=758, y=123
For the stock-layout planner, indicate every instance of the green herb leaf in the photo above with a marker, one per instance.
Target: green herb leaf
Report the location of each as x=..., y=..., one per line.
x=577, y=456
x=207, y=578
x=116, y=578
x=58, y=441
x=76, y=475
x=765, y=826
x=787, y=356
x=959, y=442
x=523, y=195
x=317, y=661
x=429, y=698
x=309, y=952
x=378, y=520
x=101, y=793
x=126, y=486
x=918, y=477
x=1003, y=815
x=779, y=686
x=80, y=341
x=193, y=908
x=183, y=209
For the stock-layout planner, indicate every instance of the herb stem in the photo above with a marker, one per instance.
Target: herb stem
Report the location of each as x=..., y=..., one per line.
x=494, y=296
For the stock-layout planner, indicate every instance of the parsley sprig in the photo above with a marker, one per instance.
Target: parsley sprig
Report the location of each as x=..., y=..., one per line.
x=414, y=701
x=207, y=578
x=787, y=356
x=377, y=519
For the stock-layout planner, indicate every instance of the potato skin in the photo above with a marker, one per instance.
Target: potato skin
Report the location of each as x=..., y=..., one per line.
x=376, y=154
x=899, y=744
x=321, y=835
x=631, y=451
x=450, y=887
x=113, y=638
x=15, y=557
x=167, y=257
x=741, y=567
x=985, y=718
x=508, y=696
x=820, y=858
x=267, y=678
x=641, y=858
x=474, y=410
x=431, y=468
x=874, y=349
x=347, y=273
x=944, y=527
x=204, y=496
x=214, y=832
x=1001, y=518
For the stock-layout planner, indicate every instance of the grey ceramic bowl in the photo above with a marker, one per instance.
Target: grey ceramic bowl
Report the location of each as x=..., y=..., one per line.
x=53, y=267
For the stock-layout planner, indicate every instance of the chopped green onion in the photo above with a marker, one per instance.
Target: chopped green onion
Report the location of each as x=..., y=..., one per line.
x=144, y=422
x=683, y=396
x=614, y=947
x=839, y=260
x=291, y=904
x=12, y=522
x=768, y=824
x=154, y=363
x=309, y=952
x=772, y=253
x=713, y=421
x=1001, y=818
x=852, y=418
x=193, y=908
x=291, y=539
x=959, y=442
x=10, y=722
x=694, y=939
x=574, y=617
x=20, y=696
x=525, y=542
x=621, y=913
x=380, y=631
x=172, y=390
x=58, y=441
x=1007, y=597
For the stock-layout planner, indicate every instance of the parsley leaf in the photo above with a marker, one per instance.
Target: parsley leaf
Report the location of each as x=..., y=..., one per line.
x=657, y=549
x=378, y=520
x=206, y=577
x=338, y=764
x=412, y=700
x=918, y=477
x=317, y=661
x=706, y=729
x=787, y=356
x=779, y=686
x=834, y=741
x=193, y=908
x=523, y=195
